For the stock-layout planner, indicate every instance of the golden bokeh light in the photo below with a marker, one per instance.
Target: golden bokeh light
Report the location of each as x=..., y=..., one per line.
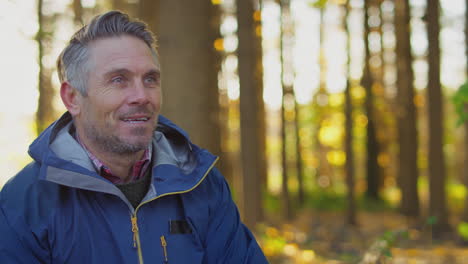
x=336, y=157
x=383, y=159
x=361, y=120
x=336, y=99
x=307, y=255
x=272, y=232
x=257, y=15
x=358, y=92
x=290, y=249
x=419, y=100
x=330, y=135
x=219, y=44
x=258, y=30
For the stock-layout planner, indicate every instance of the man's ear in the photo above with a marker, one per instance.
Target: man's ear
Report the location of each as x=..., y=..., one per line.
x=71, y=98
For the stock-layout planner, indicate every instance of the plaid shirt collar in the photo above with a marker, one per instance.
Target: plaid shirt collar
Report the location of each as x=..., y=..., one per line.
x=138, y=170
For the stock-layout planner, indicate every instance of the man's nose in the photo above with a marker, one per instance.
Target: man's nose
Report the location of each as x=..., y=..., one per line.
x=139, y=93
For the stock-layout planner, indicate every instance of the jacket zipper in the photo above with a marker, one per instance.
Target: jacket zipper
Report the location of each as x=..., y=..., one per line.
x=136, y=235
x=164, y=246
x=136, y=238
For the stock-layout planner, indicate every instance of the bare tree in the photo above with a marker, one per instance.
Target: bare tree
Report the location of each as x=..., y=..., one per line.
x=186, y=33
x=465, y=170
x=437, y=193
x=287, y=90
x=299, y=159
x=45, y=109
x=148, y=11
x=408, y=139
x=77, y=12
x=350, y=181
x=324, y=169
x=121, y=5
x=251, y=108
x=372, y=144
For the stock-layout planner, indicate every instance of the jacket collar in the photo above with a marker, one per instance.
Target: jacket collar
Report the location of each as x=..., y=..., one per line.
x=178, y=164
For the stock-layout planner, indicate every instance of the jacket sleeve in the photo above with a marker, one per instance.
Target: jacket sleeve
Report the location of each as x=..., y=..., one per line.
x=12, y=248
x=228, y=240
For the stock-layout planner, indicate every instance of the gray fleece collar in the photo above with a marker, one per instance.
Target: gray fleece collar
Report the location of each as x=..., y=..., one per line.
x=66, y=147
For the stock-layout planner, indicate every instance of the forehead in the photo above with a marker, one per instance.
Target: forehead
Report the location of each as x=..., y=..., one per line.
x=122, y=52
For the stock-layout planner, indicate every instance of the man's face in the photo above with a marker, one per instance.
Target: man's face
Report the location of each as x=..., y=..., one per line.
x=120, y=112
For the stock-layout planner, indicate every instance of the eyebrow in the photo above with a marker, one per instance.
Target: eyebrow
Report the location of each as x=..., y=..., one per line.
x=153, y=72
x=126, y=71
x=116, y=71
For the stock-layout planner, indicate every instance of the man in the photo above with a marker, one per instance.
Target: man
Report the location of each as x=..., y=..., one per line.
x=111, y=181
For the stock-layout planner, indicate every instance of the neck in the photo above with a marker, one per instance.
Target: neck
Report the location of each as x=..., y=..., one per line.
x=120, y=164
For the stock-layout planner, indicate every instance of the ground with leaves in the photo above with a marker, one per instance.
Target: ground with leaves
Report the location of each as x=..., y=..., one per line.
x=380, y=237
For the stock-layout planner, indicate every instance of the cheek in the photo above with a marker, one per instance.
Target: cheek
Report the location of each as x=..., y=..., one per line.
x=158, y=100
x=109, y=107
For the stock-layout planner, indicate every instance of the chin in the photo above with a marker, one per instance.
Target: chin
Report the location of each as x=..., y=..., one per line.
x=140, y=142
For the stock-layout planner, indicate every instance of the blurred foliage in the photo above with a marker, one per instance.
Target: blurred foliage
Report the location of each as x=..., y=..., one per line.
x=323, y=3
x=460, y=100
x=432, y=220
x=326, y=199
x=334, y=199
x=380, y=237
x=462, y=230
x=319, y=3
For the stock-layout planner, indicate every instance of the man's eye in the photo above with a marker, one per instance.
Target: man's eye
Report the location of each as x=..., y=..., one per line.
x=151, y=80
x=118, y=80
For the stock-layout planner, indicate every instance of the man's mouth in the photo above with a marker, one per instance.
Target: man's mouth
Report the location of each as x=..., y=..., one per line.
x=135, y=119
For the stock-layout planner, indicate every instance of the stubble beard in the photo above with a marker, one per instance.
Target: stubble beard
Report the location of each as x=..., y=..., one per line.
x=111, y=143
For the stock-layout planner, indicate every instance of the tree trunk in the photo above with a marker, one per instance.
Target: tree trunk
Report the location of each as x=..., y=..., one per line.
x=148, y=11
x=372, y=144
x=290, y=106
x=78, y=12
x=190, y=66
x=251, y=146
x=437, y=194
x=408, y=170
x=261, y=114
x=288, y=36
x=285, y=196
x=120, y=5
x=45, y=113
x=261, y=111
x=299, y=162
x=323, y=169
x=465, y=164
x=286, y=200
x=385, y=115
x=349, y=166
x=465, y=171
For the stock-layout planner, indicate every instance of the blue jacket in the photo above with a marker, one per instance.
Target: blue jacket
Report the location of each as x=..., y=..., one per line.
x=59, y=210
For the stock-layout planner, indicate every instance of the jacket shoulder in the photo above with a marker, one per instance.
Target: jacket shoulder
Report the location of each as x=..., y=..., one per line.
x=213, y=187
x=25, y=175
x=20, y=184
x=25, y=210
x=27, y=199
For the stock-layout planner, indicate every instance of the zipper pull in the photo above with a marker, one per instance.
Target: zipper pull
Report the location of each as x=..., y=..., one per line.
x=134, y=230
x=164, y=246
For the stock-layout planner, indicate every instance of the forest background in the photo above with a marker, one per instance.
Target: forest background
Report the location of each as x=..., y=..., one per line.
x=330, y=117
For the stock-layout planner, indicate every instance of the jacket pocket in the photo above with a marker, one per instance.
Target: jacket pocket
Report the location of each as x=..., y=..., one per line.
x=181, y=248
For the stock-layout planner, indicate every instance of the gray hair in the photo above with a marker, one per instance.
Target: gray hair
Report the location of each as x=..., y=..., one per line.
x=72, y=64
